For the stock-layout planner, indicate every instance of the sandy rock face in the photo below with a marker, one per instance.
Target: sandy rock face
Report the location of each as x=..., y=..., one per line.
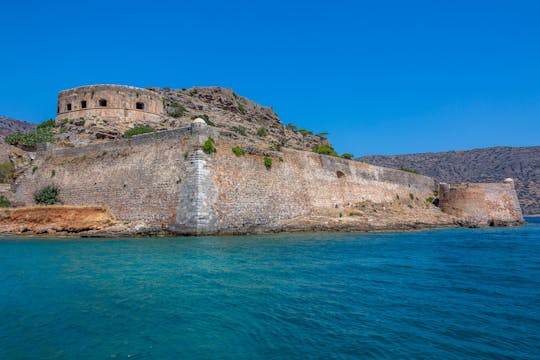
x=53, y=219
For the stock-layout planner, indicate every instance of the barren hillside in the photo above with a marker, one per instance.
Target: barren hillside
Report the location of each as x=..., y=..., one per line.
x=8, y=126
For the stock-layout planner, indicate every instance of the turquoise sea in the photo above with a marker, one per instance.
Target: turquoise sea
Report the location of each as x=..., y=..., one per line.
x=438, y=294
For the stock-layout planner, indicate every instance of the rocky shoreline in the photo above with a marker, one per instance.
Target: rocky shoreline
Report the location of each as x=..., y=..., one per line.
x=97, y=222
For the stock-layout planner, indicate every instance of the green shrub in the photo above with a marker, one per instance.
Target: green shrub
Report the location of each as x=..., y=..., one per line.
x=176, y=110
x=430, y=200
x=53, y=173
x=325, y=149
x=323, y=134
x=138, y=130
x=404, y=168
x=397, y=196
x=30, y=138
x=241, y=108
x=240, y=130
x=4, y=203
x=6, y=172
x=292, y=127
x=238, y=151
x=48, y=124
x=267, y=162
x=347, y=156
x=208, y=146
x=305, y=132
x=47, y=195
x=262, y=132
x=34, y=169
x=411, y=196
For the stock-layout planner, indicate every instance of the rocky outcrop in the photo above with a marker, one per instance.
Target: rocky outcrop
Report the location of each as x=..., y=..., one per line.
x=225, y=109
x=55, y=219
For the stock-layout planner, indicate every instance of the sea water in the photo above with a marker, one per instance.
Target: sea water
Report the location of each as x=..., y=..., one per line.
x=445, y=294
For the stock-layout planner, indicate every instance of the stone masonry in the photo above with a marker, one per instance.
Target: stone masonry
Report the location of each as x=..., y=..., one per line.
x=164, y=182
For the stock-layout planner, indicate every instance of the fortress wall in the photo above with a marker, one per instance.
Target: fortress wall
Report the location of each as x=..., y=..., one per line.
x=7, y=191
x=482, y=204
x=304, y=183
x=165, y=181
x=121, y=104
x=137, y=179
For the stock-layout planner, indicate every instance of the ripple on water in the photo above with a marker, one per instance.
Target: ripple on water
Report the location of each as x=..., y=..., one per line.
x=463, y=293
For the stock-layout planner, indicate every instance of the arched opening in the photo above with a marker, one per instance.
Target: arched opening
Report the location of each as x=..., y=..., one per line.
x=83, y=104
x=102, y=102
x=68, y=107
x=139, y=106
x=340, y=174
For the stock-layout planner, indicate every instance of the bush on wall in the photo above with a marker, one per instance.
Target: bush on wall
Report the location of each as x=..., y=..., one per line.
x=138, y=130
x=238, y=151
x=47, y=195
x=208, y=146
x=4, y=203
x=6, y=172
x=268, y=162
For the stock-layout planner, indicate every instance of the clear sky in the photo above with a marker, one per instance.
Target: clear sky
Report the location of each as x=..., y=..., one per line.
x=383, y=77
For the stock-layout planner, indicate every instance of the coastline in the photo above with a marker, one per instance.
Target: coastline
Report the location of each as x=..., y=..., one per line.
x=105, y=235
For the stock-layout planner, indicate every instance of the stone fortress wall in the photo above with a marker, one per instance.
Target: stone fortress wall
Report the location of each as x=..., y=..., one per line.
x=482, y=204
x=165, y=182
x=120, y=104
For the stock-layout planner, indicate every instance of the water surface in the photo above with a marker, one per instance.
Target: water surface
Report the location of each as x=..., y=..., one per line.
x=453, y=294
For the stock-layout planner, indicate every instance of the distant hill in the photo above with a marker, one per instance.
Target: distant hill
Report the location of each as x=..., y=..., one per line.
x=8, y=126
x=479, y=165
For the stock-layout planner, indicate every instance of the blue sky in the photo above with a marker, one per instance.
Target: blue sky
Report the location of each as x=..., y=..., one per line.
x=383, y=77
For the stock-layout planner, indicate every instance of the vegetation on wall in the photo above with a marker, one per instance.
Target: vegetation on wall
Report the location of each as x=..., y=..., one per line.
x=347, y=156
x=4, y=203
x=208, y=146
x=6, y=172
x=138, y=130
x=238, y=151
x=267, y=162
x=262, y=132
x=47, y=195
